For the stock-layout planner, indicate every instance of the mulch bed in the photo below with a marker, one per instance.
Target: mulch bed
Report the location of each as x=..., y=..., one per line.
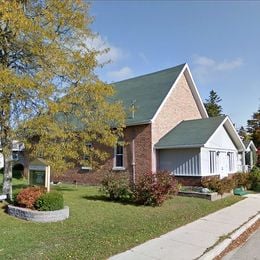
x=240, y=240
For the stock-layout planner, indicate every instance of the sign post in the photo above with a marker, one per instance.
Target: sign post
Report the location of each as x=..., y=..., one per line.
x=39, y=173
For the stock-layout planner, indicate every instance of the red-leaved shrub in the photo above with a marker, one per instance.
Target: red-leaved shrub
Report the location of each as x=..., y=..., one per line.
x=27, y=197
x=154, y=189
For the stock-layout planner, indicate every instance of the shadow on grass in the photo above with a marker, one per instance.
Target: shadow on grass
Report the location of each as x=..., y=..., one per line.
x=106, y=199
x=4, y=207
x=58, y=188
x=19, y=186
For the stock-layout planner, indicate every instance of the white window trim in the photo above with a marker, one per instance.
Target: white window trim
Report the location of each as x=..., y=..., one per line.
x=118, y=168
x=231, y=161
x=212, y=161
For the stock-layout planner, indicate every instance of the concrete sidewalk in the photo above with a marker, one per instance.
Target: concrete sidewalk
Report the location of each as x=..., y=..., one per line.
x=193, y=240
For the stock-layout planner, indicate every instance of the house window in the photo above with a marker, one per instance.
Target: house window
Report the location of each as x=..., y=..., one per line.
x=212, y=161
x=119, y=156
x=15, y=156
x=230, y=161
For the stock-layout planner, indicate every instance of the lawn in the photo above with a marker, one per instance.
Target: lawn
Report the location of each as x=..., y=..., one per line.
x=97, y=228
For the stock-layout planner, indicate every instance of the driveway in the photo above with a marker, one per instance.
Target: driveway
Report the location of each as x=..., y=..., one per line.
x=249, y=251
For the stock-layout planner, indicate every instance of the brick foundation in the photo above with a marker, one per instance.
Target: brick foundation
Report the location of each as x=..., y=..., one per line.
x=193, y=180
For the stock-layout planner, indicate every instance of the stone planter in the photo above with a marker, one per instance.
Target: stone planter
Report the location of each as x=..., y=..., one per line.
x=38, y=216
x=209, y=196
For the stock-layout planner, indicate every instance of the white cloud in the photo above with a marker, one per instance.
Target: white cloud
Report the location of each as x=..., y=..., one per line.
x=206, y=67
x=120, y=74
x=230, y=65
x=112, y=54
x=203, y=61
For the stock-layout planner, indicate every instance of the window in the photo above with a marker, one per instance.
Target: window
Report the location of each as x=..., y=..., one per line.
x=212, y=161
x=230, y=161
x=15, y=156
x=87, y=158
x=119, y=156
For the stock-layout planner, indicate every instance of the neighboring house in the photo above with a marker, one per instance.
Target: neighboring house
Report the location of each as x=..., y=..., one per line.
x=250, y=154
x=167, y=128
x=18, y=160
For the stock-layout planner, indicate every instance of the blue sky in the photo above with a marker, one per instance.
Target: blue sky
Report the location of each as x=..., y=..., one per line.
x=219, y=40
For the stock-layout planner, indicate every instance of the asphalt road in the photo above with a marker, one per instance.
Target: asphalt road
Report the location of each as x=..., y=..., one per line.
x=249, y=251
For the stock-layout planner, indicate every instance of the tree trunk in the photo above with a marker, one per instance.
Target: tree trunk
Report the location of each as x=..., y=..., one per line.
x=6, y=143
x=7, y=178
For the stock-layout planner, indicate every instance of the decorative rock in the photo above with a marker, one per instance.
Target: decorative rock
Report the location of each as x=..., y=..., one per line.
x=38, y=216
x=205, y=190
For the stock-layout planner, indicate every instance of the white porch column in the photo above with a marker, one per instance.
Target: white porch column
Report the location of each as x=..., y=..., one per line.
x=243, y=161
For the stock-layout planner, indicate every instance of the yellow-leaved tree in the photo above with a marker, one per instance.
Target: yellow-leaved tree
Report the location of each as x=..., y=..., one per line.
x=50, y=97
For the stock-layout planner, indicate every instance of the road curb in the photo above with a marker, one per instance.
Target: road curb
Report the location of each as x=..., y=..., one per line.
x=219, y=248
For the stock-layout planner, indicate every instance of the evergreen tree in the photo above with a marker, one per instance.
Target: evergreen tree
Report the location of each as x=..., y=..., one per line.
x=253, y=127
x=211, y=104
x=243, y=134
x=50, y=98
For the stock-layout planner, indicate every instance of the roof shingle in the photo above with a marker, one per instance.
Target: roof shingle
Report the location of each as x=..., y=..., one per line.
x=147, y=92
x=190, y=133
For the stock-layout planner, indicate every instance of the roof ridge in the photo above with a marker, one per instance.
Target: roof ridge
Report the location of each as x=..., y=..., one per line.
x=149, y=74
x=207, y=118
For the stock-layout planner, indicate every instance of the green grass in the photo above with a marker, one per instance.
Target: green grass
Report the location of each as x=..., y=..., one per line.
x=96, y=228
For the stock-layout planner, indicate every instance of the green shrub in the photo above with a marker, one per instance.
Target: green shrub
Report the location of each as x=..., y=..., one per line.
x=116, y=186
x=219, y=185
x=150, y=189
x=153, y=189
x=255, y=178
x=27, y=197
x=50, y=201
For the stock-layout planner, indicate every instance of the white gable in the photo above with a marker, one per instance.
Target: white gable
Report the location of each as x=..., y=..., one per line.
x=221, y=140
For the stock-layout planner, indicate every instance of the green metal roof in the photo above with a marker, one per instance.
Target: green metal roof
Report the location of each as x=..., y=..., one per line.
x=147, y=92
x=190, y=133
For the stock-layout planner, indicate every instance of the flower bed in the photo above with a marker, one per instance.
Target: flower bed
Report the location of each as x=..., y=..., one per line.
x=38, y=216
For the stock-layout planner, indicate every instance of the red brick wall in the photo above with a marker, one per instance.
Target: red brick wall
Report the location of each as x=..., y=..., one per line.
x=143, y=153
x=143, y=148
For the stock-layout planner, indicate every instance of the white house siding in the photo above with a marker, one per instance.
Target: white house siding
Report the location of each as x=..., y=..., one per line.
x=226, y=155
x=222, y=165
x=181, y=162
x=220, y=139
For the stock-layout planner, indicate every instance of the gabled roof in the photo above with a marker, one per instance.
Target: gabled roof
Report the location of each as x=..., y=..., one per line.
x=250, y=144
x=190, y=133
x=196, y=133
x=147, y=92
